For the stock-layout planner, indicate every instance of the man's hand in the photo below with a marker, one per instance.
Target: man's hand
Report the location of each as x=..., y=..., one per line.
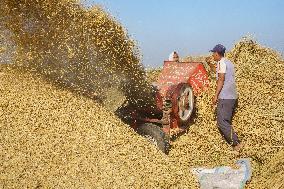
x=214, y=100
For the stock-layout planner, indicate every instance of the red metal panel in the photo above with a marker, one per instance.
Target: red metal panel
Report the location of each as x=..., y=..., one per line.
x=174, y=73
x=199, y=80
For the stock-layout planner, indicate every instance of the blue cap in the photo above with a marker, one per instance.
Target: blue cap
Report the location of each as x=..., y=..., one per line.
x=219, y=49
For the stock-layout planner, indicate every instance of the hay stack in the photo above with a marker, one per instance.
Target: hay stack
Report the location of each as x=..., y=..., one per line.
x=86, y=50
x=51, y=138
x=271, y=176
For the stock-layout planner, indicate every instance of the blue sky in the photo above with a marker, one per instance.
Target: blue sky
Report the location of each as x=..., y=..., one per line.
x=195, y=26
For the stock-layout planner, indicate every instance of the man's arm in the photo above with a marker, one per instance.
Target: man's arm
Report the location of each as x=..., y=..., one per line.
x=220, y=84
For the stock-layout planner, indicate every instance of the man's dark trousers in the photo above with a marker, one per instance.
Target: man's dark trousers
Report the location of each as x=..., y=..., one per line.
x=225, y=111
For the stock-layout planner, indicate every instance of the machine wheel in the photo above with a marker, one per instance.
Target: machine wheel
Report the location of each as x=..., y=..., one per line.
x=185, y=103
x=155, y=135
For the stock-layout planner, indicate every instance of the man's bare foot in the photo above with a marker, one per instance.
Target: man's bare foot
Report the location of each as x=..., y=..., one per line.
x=238, y=148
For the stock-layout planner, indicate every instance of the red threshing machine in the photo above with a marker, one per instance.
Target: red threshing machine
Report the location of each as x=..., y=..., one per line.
x=177, y=86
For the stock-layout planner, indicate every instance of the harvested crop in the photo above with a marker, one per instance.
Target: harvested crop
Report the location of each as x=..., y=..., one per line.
x=271, y=176
x=52, y=138
x=86, y=50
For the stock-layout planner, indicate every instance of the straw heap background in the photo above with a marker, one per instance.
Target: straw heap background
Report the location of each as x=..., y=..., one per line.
x=58, y=136
x=83, y=49
x=52, y=137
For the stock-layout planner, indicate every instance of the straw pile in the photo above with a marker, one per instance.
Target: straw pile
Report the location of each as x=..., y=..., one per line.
x=271, y=176
x=86, y=50
x=52, y=138
x=261, y=111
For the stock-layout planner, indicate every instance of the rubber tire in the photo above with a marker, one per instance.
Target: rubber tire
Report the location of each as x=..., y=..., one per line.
x=158, y=135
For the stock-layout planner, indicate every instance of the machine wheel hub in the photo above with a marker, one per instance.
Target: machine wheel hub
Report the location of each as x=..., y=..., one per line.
x=185, y=103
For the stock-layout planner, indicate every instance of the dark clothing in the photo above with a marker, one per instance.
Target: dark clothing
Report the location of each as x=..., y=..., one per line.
x=225, y=111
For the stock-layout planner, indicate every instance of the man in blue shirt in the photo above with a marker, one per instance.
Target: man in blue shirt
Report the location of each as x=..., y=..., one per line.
x=225, y=95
